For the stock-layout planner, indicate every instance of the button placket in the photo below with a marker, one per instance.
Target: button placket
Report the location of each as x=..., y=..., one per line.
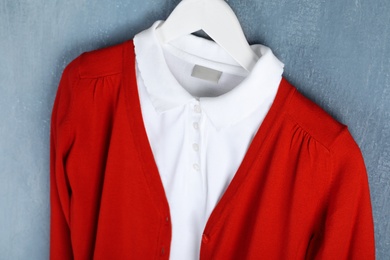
x=196, y=117
x=164, y=249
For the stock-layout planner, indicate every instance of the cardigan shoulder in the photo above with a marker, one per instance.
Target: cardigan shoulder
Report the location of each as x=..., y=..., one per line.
x=76, y=88
x=314, y=120
x=102, y=62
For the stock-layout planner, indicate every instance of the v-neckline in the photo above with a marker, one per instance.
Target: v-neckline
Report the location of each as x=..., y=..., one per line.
x=156, y=188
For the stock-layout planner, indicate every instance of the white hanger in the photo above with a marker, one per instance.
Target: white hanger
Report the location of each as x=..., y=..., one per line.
x=217, y=19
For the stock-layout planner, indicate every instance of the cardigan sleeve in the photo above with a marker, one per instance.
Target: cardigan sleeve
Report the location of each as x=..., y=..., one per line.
x=347, y=230
x=60, y=143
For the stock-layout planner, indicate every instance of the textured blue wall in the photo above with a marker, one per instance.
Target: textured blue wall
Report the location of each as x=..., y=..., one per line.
x=336, y=52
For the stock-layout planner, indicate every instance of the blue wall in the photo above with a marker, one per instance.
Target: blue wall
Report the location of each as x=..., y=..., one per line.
x=336, y=52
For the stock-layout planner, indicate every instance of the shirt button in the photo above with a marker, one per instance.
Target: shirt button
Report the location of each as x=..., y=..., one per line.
x=205, y=238
x=162, y=251
x=197, y=109
x=195, y=147
x=196, y=166
x=196, y=125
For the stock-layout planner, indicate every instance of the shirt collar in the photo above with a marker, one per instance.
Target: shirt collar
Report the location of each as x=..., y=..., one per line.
x=258, y=87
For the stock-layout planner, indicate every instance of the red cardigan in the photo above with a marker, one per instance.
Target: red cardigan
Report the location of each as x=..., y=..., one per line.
x=301, y=191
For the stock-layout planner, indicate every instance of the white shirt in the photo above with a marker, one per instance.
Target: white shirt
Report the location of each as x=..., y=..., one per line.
x=199, y=130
